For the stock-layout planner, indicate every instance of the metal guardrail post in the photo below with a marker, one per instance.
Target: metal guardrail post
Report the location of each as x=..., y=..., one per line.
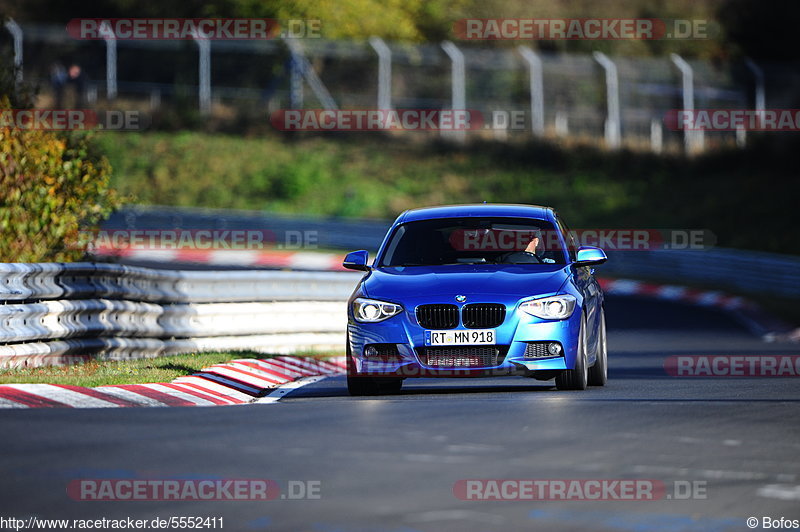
x=16, y=33
x=204, y=71
x=613, y=135
x=693, y=138
x=458, y=82
x=536, y=88
x=384, y=72
x=111, y=60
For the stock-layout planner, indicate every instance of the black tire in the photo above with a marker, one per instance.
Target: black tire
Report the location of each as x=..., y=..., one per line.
x=598, y=373
x=576, y=378
x=390, y=384
x=361, y=385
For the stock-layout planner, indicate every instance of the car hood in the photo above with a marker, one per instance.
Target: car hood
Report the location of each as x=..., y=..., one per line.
x=514, y=280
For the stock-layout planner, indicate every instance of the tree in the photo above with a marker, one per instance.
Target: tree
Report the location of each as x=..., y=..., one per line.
x=53, y=185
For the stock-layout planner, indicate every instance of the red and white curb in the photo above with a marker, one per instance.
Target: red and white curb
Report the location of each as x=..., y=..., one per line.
x=240, y=381
x=293, y=260
x=749, y=313
x=706, y=298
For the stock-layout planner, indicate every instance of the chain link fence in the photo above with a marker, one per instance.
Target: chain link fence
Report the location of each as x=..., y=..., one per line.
x=577, y=97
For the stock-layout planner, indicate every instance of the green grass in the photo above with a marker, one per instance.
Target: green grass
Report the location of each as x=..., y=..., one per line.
x=136, y=371
x=747, y=198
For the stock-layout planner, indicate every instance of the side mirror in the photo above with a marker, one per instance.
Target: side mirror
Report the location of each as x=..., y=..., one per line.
x=589, y=256
x=356, y=260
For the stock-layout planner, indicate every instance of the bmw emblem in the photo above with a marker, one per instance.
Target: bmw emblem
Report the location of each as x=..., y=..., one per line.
x=461, y=299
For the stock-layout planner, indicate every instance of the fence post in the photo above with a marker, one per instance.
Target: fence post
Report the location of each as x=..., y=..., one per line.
x=204, y=74
x=562, y=124
x=384, y=72
x=761, y=98
x=693, y=138
x=536, y=88
x=458, y=83
x=612, y=128
x=111, y=60
x=16, y=33
x=656, y=136
x=296, y=94
x=301, y=66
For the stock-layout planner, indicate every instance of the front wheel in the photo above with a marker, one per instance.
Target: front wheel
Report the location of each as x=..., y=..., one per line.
x=359, y=385
x=598, y=373
x=576, y=378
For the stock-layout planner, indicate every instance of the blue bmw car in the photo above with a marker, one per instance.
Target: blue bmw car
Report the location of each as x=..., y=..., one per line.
x=476, y=290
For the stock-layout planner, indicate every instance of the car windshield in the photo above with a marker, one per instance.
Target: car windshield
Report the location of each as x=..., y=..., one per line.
x=472, y=240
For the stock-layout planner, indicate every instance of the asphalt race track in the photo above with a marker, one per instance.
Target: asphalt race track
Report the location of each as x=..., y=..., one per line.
x=391, y=463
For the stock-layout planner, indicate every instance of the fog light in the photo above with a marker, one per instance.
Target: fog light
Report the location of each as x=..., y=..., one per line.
x=554, y=348
x=371, y=351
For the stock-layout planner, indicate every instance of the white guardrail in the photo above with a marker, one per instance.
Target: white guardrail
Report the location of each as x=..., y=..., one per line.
x=54, y=313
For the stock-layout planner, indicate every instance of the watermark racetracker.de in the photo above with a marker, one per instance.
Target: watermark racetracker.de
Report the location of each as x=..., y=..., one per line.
x=533, y=29
x=74, y=119
x=733, y=119
x=198, y=239
x=732, y=365
x=596, y=489
x=376, y=120
x=193, y=28
x=204, y=489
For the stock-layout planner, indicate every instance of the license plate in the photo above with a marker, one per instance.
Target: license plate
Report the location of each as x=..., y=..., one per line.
x=470, y=337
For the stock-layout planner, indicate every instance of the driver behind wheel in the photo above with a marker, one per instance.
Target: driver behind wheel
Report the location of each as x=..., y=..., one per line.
x=532, y=254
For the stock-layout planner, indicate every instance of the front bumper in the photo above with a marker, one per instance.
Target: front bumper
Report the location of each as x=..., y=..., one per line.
x=513, y=337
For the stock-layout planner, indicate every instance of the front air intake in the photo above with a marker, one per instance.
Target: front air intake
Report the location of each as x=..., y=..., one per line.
x=483, y=315
x=437, y=316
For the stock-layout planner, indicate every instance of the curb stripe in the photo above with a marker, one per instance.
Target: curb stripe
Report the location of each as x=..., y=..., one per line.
x=291, y=371
x=167, y=399
x=69, y=397
x=303, y=370
x=94, y=392
x=237, y=385
x=139, y=399
x=192, y=399
x=28, y=399
x=308, y=365
x=260, y=372
x=188, y=390
x=214, y=393
x=209, y=386
x=248, y=377
x=7, y=403
x=264, y=368
x=242, y=376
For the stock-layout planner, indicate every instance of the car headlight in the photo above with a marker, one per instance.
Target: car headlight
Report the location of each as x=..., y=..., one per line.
x=550, y=308
x=372, y=310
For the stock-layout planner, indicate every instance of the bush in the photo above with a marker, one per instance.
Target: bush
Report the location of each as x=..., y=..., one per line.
x=52, y=187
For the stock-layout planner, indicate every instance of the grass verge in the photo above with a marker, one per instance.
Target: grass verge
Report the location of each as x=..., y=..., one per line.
x=136, y=371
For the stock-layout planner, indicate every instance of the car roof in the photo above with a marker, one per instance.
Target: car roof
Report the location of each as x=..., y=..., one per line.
x=477, y=209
